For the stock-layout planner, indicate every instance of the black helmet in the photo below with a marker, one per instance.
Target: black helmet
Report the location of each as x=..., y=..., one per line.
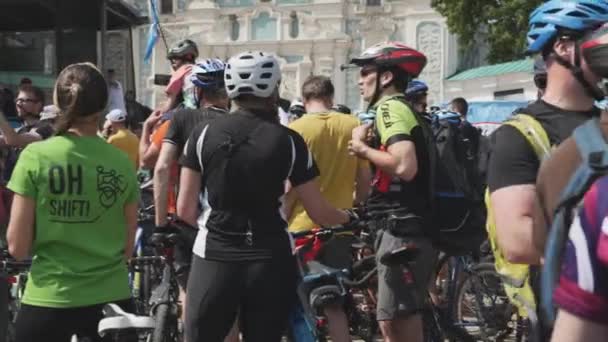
x=183, y=49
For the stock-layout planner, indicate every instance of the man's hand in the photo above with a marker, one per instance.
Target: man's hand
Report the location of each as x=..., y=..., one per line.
x=357, y=145
x=362, y=132
x=153, y=119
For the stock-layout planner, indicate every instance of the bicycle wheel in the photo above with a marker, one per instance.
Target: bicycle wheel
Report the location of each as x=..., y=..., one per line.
x=431, y=326
x=166, y=324
x=483, y=309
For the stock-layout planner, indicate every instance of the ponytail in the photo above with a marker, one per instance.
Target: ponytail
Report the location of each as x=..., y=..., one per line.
x=80, y=91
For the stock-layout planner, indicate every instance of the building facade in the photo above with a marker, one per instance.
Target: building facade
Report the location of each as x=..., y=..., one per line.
x=307, y=36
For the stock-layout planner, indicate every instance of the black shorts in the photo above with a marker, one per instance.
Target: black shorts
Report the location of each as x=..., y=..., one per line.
x=262, y=292
x=41, y=324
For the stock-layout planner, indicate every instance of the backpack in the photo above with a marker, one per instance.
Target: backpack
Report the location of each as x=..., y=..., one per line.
x=593, y=150
x=458, y=195
x=516, y=277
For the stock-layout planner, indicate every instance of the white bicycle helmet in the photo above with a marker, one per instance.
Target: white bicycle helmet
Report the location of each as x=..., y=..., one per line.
x=255, y=73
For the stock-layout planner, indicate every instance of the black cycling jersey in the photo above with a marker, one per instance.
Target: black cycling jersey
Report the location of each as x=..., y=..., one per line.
x=513, y=161
x=185, y=120
x=245, y=161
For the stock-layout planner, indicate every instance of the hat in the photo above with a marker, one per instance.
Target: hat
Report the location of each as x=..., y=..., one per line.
x=116, y=115
x=49, y=112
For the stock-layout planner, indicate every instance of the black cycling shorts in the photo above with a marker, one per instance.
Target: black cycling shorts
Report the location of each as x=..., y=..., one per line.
x=42, y=324
x=262, y=292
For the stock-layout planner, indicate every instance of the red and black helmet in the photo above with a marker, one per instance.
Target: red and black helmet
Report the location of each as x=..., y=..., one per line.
x=390, y=54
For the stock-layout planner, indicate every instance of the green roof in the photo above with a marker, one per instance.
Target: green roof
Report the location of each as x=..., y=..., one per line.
x=38, y=79
x=524, y=65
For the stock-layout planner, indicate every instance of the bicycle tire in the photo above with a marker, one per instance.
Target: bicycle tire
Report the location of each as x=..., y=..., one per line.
x=494, y=317
x=161, y=329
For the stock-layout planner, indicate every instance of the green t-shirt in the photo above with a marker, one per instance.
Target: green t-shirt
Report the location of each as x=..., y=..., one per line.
x=81, y=186
x=395, y=122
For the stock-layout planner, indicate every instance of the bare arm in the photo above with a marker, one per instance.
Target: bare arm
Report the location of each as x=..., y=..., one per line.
x=20, y=234
x=168, y=154
x=513, y=214
x=149, y=158
x=570, y=328
x=12, y=138
x=317, y=207
x=187, y=200
x=145, y=157
x=364, y=183
x=399, y=159
x=131, y=218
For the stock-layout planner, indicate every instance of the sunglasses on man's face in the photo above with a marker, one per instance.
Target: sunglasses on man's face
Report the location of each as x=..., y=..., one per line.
x=21, y=100
x=367, y=71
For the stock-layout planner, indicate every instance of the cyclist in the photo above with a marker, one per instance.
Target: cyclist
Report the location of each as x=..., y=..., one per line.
x=326, y=134
x=75, y=213
x=180, y=91
x=235, y=167
x=557, y=170
x=208, y=77
x=402, y=161
x=556, y=29
x=182, y=57
x=417, y=95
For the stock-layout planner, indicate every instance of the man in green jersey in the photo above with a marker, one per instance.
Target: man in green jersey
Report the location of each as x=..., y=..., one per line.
x=401, y=159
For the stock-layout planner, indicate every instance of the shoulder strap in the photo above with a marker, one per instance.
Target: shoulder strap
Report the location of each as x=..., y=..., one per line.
x=534, y=133
x=591, y=144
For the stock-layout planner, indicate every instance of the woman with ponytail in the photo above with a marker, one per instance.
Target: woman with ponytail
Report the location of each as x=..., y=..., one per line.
x=74, y=213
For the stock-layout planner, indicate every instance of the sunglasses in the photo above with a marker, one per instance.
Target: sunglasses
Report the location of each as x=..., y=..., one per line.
x=19, y=101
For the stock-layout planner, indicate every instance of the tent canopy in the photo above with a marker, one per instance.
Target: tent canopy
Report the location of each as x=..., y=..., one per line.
x=44, y=15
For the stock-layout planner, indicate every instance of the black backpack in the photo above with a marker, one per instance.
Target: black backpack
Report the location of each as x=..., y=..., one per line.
x=458, y=202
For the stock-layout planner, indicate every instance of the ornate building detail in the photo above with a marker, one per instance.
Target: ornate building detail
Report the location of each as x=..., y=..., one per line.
x=311, y=36
x=429, y=41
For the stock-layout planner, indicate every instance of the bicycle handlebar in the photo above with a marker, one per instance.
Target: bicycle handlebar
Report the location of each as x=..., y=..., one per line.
x=349, y=228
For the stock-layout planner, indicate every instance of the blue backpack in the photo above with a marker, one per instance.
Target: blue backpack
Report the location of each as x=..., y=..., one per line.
x=594, y=154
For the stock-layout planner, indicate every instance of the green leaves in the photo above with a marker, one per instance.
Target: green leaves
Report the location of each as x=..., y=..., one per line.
x=501, y=23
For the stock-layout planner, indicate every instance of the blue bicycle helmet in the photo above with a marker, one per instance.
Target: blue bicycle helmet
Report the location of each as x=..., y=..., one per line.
x=416, y=87
x=208, y=73
x=556, y=15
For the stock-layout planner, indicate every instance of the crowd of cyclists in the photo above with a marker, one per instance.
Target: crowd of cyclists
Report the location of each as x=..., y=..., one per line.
x=244, y=173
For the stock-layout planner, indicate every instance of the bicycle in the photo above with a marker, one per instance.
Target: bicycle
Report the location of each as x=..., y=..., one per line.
x=13, y=276
x=322, y=285
x=163, y=303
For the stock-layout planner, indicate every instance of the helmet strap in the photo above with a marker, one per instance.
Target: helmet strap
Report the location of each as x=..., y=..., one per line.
x=576, y=70
x=376, y=95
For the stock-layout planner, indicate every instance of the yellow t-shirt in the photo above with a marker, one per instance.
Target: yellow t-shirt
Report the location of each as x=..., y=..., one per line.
x=126, y=141
x=327, y=136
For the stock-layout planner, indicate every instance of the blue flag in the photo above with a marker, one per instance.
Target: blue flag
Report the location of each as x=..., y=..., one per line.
x=153, y=32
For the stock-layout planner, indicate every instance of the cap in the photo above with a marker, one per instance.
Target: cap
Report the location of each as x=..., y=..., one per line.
x=116, y=115
x=49, y=112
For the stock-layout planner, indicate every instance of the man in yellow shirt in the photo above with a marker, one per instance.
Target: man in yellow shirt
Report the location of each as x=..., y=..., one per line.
x=344, y=179
x=121, y=137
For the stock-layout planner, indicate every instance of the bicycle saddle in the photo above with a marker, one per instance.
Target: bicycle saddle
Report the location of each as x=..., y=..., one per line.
x=117, y=319
x=400, y=256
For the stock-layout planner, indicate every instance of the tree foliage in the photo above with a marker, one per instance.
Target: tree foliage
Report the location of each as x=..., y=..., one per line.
x=501, y=23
